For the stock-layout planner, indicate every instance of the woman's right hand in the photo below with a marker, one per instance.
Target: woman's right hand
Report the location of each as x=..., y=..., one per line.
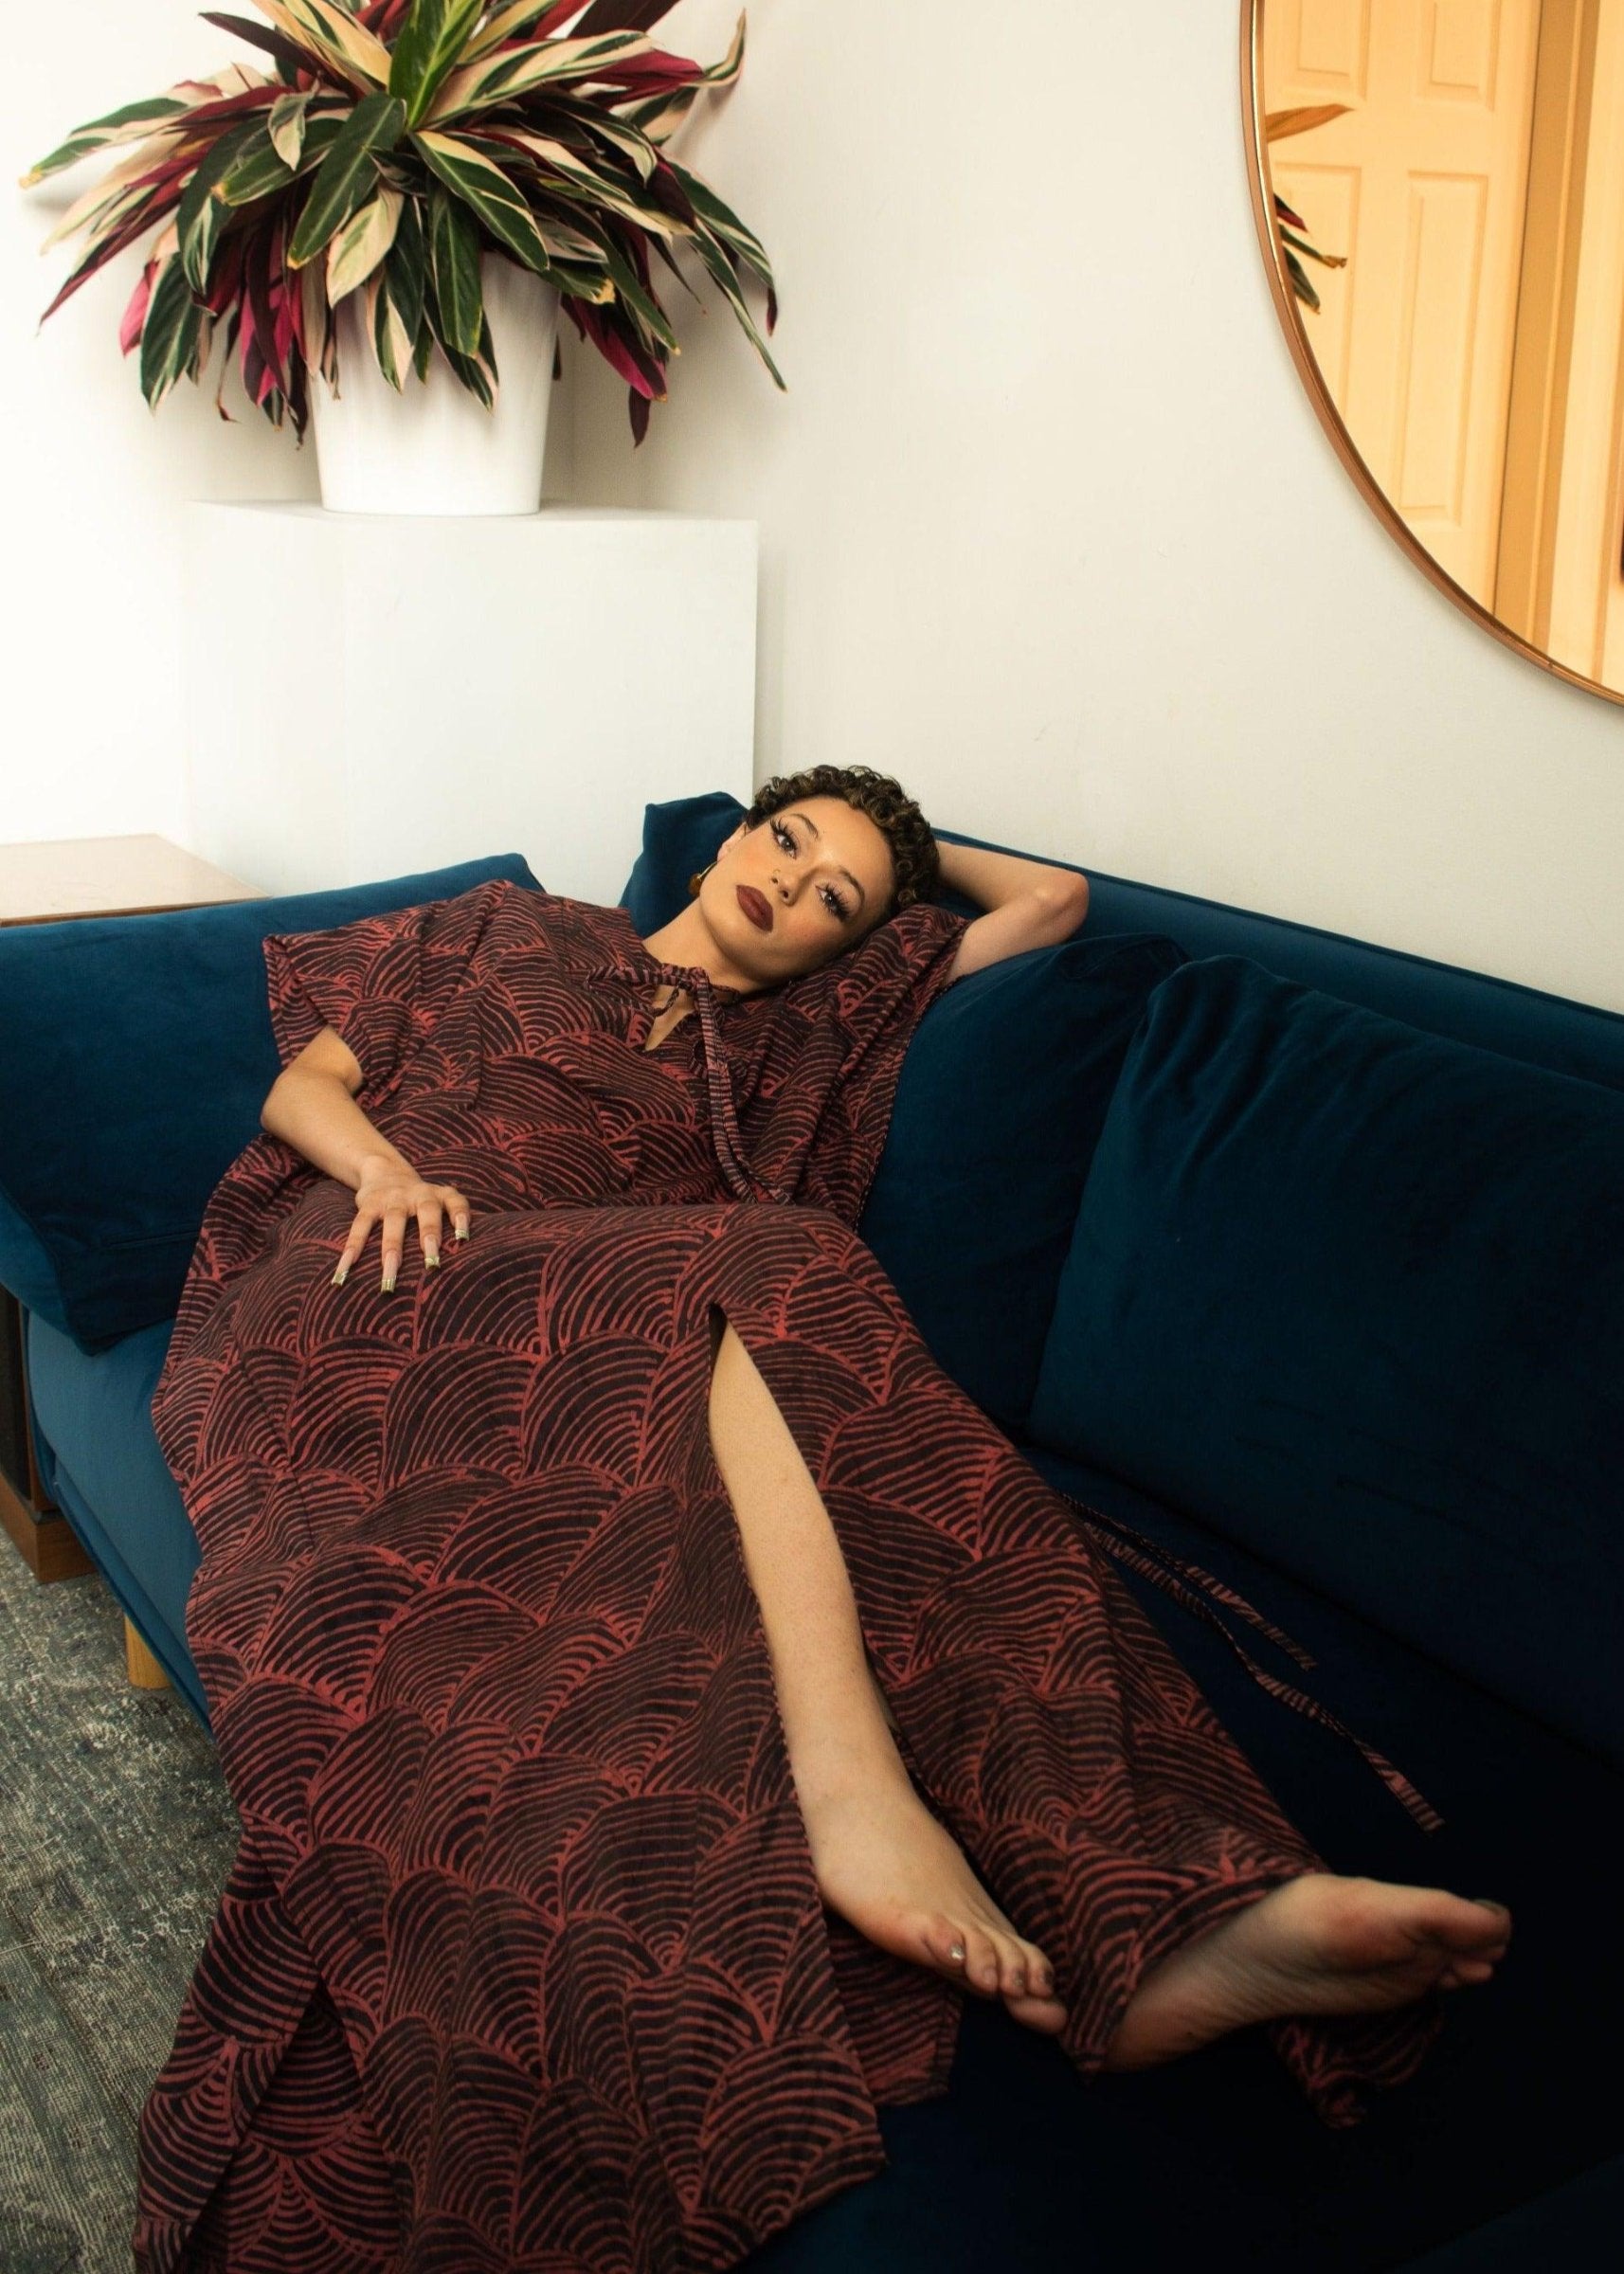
x=389, y=1193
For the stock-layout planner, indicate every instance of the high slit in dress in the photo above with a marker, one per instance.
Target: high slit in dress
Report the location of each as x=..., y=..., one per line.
x=521, y=1964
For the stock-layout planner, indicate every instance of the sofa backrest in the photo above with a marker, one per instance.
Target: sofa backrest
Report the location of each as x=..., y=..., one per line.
x=1470, y=1007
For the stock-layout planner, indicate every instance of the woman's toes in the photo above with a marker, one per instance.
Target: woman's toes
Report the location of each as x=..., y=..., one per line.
x=962, y=1953
x=981, y=1963
x=946, y=1945
x=1459, y=1972
x=1025, y=1976
x=1045, y=2015
x=1040, y=1973
x=1492, y=1931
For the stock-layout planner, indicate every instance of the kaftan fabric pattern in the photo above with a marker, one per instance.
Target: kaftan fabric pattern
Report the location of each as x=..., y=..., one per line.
x=522, y=1963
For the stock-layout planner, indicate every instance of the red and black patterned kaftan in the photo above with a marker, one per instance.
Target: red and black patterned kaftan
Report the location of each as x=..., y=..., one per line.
x=522, y=1963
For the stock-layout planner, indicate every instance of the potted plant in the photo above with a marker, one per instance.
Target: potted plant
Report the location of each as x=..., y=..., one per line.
x=401, y=202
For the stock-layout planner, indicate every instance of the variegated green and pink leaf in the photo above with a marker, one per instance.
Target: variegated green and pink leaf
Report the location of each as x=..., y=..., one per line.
x=521, y=20
x=135, y=120
x=332, y=38
x=287, y=127
x=169, y=336
x=482, y=187
x=361, y=244
x=573, y=177
x=347, y=173
x=430, y=44
x=512, y=72
x=454, y=290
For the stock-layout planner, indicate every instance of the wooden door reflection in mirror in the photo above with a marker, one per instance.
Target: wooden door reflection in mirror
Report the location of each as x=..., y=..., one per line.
x=1439, y=187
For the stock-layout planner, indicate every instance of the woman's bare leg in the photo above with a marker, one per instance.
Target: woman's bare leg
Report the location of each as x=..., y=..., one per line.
x=1318, y=1944
x=883, y=1862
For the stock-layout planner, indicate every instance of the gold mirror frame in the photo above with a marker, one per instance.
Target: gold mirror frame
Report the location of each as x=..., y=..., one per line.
x=1291, y=316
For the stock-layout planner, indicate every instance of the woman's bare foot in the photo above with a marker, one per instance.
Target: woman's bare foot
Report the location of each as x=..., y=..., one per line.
x=1318, y=1944
x=893, y=1872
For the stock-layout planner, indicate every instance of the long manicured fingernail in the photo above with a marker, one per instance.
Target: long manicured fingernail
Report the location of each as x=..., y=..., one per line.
x=389, y=1286
x=341, y=1275
x=431, y=1261
x=462, y=1232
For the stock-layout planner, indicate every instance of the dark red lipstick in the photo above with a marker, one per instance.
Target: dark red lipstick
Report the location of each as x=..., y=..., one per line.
x=758, y=910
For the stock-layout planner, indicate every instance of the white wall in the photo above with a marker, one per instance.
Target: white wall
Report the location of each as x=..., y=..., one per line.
x=1048, y=525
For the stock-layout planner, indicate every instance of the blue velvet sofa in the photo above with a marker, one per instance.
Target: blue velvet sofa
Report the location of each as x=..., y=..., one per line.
x=1301, y=1255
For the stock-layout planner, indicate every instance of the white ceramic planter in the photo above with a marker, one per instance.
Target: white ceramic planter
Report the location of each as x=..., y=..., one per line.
x=434, y=448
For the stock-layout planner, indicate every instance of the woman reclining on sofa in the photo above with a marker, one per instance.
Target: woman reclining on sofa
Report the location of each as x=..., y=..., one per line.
x=651, y=1690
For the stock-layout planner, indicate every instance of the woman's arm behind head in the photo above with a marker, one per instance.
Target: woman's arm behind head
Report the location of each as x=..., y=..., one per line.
x=1028, y=904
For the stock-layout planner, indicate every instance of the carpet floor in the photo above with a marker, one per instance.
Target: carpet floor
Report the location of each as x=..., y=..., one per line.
x=116, y=1836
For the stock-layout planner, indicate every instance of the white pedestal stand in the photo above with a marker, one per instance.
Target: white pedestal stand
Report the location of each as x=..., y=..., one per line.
x=370, y=696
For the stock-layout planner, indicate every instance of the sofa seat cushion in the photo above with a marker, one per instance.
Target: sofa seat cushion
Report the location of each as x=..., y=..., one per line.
x=1215, y=2161
x=1576, y=2225
x=1350, y=1294
x=137, y=1054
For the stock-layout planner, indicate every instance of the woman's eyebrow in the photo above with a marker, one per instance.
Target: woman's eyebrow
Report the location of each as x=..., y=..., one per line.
x=817, y=832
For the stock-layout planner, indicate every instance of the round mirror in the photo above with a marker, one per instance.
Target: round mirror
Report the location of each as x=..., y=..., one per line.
x=1439, y=190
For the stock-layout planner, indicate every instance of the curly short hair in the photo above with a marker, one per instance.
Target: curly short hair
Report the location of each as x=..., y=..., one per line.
x=915, y=862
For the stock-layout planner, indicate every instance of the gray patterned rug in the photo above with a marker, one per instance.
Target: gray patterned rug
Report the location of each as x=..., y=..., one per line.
x=116, y=1835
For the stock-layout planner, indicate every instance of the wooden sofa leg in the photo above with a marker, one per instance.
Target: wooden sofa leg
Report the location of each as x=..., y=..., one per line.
x=145, y=1671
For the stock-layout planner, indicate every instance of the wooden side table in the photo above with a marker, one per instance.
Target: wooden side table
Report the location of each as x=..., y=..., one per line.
x=46, y=884
x=107, y=877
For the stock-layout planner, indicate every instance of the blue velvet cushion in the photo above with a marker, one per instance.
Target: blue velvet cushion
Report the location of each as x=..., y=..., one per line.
x=138, y=1053
x=680, y=836
x=998, y=1106
x=1350, y=1294
x=1001, y=1096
